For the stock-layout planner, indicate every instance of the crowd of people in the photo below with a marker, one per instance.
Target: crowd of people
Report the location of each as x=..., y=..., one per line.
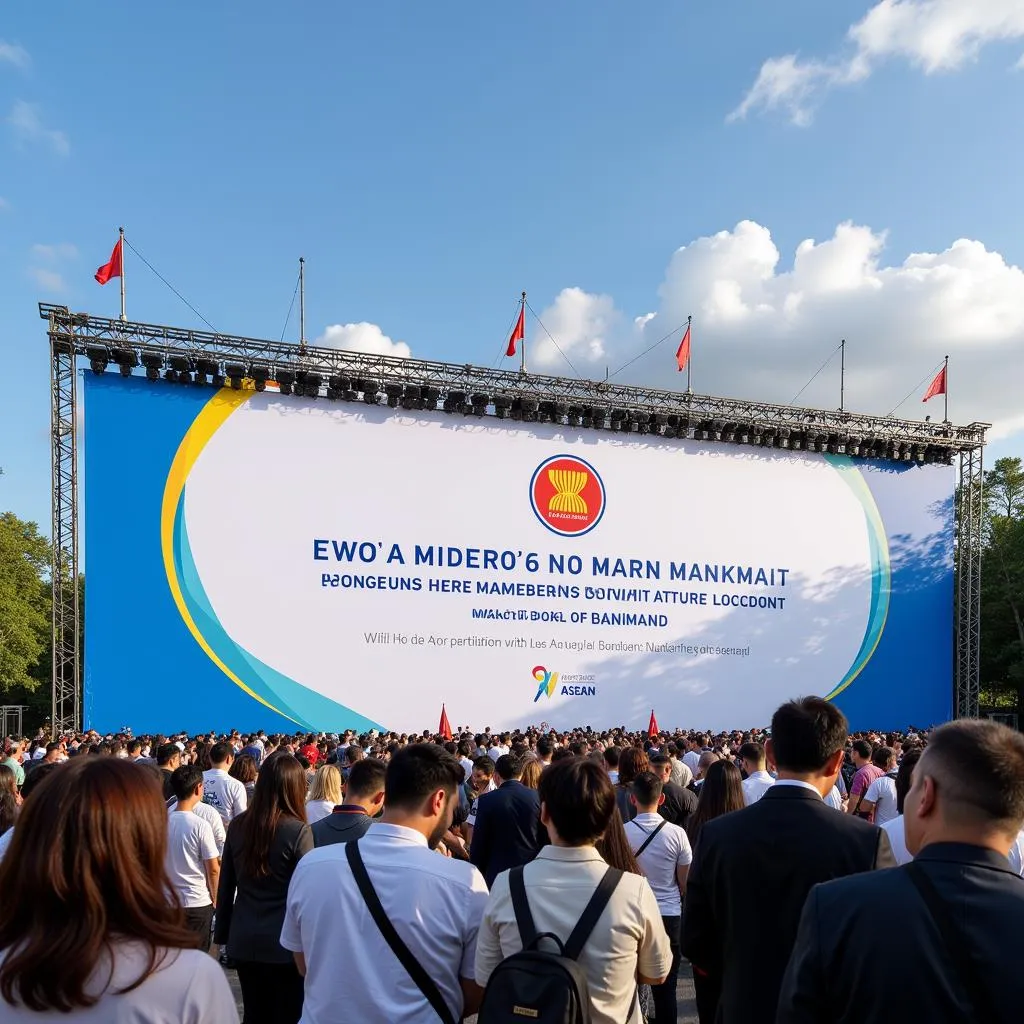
x=806, y=874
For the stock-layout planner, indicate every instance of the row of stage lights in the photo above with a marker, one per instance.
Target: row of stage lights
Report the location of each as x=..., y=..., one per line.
x=306, y=383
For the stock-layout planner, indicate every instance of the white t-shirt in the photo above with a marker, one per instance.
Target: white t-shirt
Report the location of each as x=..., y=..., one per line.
x=834, y=798
x=190, y=844
x=316, y=810
x=882, y=793
x=467, y=766
x=224, y=793
x=669, y=849
x=495, y=752
x=213, y=819
x=894, y=829
x=189, y=987
x=692, y=761
x=755, y=786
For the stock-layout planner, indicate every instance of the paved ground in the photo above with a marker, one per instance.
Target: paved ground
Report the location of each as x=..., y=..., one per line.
x=687, y=1006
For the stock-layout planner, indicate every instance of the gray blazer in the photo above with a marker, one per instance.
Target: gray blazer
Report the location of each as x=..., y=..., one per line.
x=250, y=911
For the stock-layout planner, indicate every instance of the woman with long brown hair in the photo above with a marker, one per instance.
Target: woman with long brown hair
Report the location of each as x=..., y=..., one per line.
x=531, y=773
x=263, y=847
x=8, y=798
x=91, y=930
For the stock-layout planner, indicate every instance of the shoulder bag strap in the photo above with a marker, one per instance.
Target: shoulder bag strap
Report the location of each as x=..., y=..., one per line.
x=591, y=914
x=521, y=906
x=647, y=842
x=405, y=956
x=978, y=994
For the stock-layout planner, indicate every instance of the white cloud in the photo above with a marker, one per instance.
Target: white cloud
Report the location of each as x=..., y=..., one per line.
x=16, y=56
x=933, y=35
x=363, y=337
x=760, y=331
x=29, y=129
x=54, y=253
x=47, y=280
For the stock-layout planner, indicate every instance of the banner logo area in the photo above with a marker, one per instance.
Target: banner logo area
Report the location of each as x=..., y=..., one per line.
x=567, y=495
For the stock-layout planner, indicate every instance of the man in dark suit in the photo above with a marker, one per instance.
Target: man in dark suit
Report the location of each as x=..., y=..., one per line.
x=679, y=803
x=364, y=800
x=755, y=867
x=961, y=816
x=508, y=831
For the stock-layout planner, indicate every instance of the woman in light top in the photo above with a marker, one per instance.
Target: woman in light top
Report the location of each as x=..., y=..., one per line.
x=324, y=794
x=91, y=929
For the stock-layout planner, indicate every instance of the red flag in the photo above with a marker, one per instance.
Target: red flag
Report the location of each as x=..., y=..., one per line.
x=683, y=352
x=652, y=729
x=113, y=268
x=518, y=332
x=937, y=386
x=444, y=730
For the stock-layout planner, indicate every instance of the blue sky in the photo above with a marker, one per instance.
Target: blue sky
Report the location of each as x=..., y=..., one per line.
x=430, y=161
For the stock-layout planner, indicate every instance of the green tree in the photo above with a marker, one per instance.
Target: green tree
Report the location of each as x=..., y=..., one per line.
x=24, y=603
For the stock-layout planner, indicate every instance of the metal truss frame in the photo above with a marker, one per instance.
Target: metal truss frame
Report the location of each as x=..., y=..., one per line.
x=202, y=357
x=969, y=543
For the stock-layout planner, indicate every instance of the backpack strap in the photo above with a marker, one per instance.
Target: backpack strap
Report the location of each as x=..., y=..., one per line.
x=413, y=967
x=521, y=906
x=592, y=913
x=647, y=842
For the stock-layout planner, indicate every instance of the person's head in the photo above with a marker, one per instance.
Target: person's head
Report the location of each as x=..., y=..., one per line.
x=85, y=867
x=483, y=773
x=705, y=761
x=354, y=753
x=420, y=789
x=631, y=763
x=532, y=771
x=280, y=792
x=168, y=756
x=661, y=765
x=134, y=748
x=861, y=753
x=808, y=742
x=905, y=776
x=222, y=755
x=326, y=784
x=576, y=801
x=967, y=787
x=645, y=792
x=187, y=783
x=611, y=757
x=884, y=758
x=244, y=769
x=720, y=793
x=365, y=785
x=508, y=767
x=752, y=757
x=545, y=748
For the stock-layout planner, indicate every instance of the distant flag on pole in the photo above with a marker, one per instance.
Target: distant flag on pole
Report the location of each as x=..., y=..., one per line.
x=518, y=332
x=444, y=729
x=113, y=268
x=937, y=386
x=683, y=352
x=652, y=728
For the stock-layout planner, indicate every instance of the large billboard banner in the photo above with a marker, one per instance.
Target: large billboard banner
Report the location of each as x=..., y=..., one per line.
x=261, y=561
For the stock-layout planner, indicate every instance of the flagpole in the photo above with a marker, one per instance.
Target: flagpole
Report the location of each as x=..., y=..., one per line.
x=842, y=375
x=121, y=244
x=689, y=355
x=945, y=391
x=302, y=304
x=522, y=351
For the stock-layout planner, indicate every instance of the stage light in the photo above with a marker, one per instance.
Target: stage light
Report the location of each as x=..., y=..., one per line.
x=285, y=380
x=717, y=426
x=260, y=375
x=546, y=411
x=729, y=432
x=618, y=419
x=153, y=362
x=516, y=412
x=98, y=359
x=430, y=395
x=783, y=437
x=394, y=394
x=502, y=406
x=853, y=445
x=371, y=392
x=412, y=397
x=126, y=360
x=171, y=375
x=311, y=384
x=480, y=402
x=235, y=372
x=206, y=368
x=182, y=367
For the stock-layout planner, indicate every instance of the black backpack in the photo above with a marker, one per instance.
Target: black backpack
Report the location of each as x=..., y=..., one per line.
x=538, y=986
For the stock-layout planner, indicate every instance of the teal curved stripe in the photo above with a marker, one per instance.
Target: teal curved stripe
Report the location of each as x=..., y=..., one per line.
x=881, y=569
x=304, y=706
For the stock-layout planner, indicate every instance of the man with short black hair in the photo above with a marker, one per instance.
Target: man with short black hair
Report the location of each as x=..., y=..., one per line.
x=628, y=945
x=611, y=760
x=759, y=863
x=412, y=883
x=224, y=793
x=677, y=804
x=755, y=764
x=507, y=831
x=364, y=798
x=193, y=860
x=168, y=759
x=866, y=773
x=545, y=748
x=959, y=899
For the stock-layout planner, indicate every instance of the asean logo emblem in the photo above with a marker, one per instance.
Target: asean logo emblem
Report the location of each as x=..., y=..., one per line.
x=567, y=495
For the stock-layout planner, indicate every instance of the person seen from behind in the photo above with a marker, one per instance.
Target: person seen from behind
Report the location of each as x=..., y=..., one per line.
x=89, y=932
x=324, y=794
x=364, y=799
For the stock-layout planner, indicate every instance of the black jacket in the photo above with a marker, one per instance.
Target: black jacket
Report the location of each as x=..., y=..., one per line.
x=508, y=831
x=251, y=924
x=679, y=804
x=843, y=970
x=346, y=822
x=752, y=870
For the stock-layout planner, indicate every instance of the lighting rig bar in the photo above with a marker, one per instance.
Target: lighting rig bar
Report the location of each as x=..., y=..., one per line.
x=200, y=357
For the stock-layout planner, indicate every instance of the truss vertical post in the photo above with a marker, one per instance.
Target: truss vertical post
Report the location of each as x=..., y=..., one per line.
x=969, y=525
x=67, y=690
